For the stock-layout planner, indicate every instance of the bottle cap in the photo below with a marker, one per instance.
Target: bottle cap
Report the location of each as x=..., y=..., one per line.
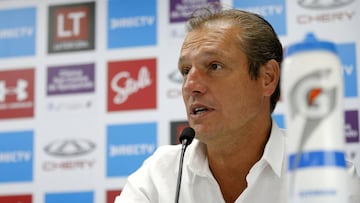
x=310, y=43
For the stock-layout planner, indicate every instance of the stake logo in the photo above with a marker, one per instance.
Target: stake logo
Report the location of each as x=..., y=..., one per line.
x=71, y=27
x=132, y=85
x=17, y=93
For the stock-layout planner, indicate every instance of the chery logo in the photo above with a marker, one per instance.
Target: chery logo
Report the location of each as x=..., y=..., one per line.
x=323, y=4
x=69, y=147
x=131, y=85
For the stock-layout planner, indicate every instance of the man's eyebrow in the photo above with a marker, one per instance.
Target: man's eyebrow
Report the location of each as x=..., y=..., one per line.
x=204, y=54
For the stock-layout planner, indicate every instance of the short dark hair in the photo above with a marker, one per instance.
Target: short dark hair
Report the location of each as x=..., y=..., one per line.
x=256, y=38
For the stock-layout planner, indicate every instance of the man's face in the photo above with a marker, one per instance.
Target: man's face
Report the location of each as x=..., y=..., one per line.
x=219, y=95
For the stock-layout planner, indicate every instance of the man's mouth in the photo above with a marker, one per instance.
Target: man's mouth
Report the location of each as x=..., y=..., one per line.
x=199, y=110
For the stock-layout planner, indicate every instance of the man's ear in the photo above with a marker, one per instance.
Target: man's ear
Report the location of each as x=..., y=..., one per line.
x=270, y=75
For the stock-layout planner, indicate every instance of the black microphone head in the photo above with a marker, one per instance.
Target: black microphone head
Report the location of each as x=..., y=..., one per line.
x=187, y=134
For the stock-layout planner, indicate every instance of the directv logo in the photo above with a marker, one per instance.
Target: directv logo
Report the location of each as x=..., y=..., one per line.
x=16, y=32
x=131, y=150
x=15, y=157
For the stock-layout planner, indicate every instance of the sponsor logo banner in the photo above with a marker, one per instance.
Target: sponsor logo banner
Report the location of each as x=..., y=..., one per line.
x=16, y=199
x=132, y=85
x=17, y=32
x=352, y=126
x=132, y=23
x=16, y=156
x=83, y=197
x=128, y=146
x=69, y=155
x=181, y=10
x=71, y=27
x=71, y=79
x=347, y=56
x=17, y=93
x=273, y=11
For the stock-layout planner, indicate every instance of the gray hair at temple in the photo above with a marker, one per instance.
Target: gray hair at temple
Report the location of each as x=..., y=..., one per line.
x=256, y=38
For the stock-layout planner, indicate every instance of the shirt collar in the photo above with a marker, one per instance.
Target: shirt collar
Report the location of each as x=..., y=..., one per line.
x=274, y=153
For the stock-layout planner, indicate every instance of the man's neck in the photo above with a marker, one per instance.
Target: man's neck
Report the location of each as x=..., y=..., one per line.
x=231, y=162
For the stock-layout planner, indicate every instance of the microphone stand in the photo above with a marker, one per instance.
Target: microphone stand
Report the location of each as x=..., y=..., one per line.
x=178, y=184
x=186, y=137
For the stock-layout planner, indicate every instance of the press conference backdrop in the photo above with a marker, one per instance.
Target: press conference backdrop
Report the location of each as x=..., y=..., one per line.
x=90, y=89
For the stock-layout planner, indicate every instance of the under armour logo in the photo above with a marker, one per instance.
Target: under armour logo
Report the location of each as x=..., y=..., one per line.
x=19, y=90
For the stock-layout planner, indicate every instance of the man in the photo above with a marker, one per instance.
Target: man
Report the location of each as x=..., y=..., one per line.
x=230, y=62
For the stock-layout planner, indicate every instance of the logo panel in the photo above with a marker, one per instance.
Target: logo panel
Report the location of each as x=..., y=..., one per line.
x=17, y=93
x=352, y=126
x=71, y=27
x=69, y=154
x=83, y=197
x=16, y=156
x=132, y=85
x=71, y=79
x=16, y=199
x=128, y=146
x=181, y=10
x=347, y=56
x=130, y=24
x=273, y=11
x=17, y=36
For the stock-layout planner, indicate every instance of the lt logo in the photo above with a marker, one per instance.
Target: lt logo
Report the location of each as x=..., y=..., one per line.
x=73, y=19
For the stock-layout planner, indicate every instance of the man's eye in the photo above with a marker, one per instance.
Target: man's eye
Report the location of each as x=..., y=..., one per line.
x=215, y=66
x=184, y=71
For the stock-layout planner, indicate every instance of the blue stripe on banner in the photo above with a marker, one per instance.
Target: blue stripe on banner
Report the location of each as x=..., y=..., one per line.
x=317, y=159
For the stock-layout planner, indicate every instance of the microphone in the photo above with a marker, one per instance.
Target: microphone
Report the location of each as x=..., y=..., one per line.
x=186, y=137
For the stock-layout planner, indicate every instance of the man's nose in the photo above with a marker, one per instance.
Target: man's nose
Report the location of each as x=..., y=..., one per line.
x=194, y=82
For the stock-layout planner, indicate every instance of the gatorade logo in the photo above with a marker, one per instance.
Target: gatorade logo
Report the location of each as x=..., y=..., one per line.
x=311, y=98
